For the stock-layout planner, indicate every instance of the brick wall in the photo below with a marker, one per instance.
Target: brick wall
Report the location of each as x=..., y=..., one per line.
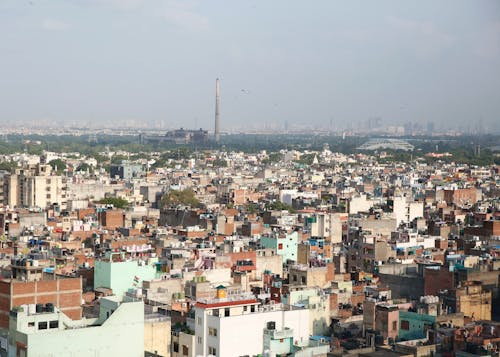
x=435, y=280
x=63, y=293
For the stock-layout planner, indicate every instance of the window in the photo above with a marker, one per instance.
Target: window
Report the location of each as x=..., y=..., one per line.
x=42, y=325
x=394, y=325
x=280, y=246
x=405, y=325
x=185, y=350
x=212, y=331
x=294, y=277
x=48, y=195
x=215, y=312
x=303, y=279
x=252, y=308
x=245, y=308
x=176, y=347
x=212, y=351
x=226, y=311
x=199, y=320
x=200, y=340
x=31, y=324
x=54, y=324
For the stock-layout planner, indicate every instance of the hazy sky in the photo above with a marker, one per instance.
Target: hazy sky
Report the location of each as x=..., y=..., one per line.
x=278, y=60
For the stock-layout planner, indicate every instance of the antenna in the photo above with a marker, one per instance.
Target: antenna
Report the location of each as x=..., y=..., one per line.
x=217, y=111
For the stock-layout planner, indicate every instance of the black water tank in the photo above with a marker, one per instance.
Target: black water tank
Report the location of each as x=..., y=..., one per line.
x=49, y=307
x=39, y=308
x=271, y=325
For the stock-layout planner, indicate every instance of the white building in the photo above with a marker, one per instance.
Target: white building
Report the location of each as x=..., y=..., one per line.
x=406, y=211
x=359, y=204
x=234, y=326
x=329, y=225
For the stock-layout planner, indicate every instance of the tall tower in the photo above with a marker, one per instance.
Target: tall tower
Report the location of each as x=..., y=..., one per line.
x=217, y=111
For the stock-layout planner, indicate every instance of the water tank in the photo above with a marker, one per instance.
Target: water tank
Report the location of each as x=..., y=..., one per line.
x=31, y=309
x=271, y=325
x=221, y=293
x=39, y=308
x=49, y=307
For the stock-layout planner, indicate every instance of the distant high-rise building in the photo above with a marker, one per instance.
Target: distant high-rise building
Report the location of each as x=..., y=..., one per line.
x=430, y=127
x=477, y=150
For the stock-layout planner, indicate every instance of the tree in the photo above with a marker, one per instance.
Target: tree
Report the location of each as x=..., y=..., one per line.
x=185, y=197
x=58, y=165
x=84, y=167
x=115, y=201
x=251, y=208
x=220, y=163
x=306, y=159
x=273, y=158
x=8, y=166
x=280, y=206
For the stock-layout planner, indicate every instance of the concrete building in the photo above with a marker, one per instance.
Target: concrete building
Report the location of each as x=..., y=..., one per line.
x=387, y=321
x=284, y=244
x=35, y=186
x=316, y=301
x=222, y=324
x=157, y=335
x=359, y=203
x=120, y=275
x=118, y=331
x=470, y=299
x=413, y=325
x=405, y=211
x=311, y=276
x=126, y=170
x=183, y=344
x=328, y=226
x=268, y=260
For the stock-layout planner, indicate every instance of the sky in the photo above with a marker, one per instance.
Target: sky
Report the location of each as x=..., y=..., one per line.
x=323, y=62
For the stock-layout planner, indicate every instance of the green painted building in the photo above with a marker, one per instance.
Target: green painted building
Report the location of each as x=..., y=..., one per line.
x=120, y=275
x=413, y=325
x=118, y=331
x=284, y=244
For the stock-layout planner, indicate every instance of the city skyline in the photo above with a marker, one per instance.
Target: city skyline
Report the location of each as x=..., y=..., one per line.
x=326, y=65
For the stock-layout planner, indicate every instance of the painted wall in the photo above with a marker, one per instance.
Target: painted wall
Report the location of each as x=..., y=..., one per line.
x=119, y=276
x=122, y=334
x=416, y=323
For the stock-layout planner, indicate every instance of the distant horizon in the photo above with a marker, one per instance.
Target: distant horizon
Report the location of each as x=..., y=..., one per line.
x=327, y=64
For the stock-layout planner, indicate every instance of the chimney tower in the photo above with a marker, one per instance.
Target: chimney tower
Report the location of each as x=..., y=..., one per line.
x=217, y=111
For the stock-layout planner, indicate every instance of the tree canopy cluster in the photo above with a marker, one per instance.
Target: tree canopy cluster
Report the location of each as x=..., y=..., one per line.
x=185, y=197
x=115, y=201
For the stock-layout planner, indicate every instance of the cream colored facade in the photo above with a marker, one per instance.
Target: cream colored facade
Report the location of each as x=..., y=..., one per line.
x=157, y=335
x=35, y=186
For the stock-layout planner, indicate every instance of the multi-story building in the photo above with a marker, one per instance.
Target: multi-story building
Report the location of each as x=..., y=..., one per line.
x=316, y=301
x=328, y=226
x=222, y=324
x=35, y=186
x=284, y=244
x=471, y=299
x=64, y=293
x=118, y=274
x=126, y=170
x=46, y=331
x=406, y=211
